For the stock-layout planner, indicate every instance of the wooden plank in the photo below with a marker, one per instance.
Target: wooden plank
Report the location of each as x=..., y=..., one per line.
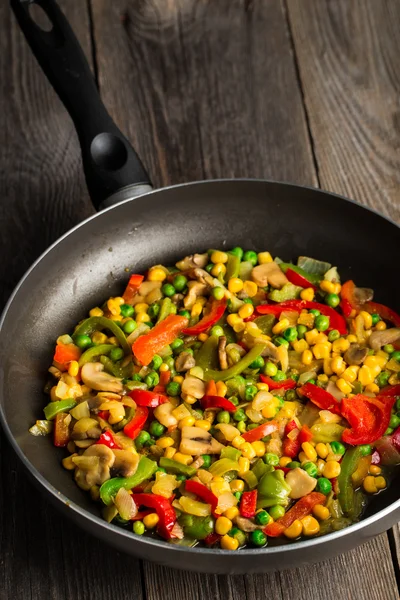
x=348, y=62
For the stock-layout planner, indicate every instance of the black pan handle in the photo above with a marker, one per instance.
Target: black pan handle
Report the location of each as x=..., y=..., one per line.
x=109, y=161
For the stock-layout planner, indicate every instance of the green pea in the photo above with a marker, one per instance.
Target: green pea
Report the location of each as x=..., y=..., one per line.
x=177, y=344
x=116, y=354
x=301, y=331
x=338, y=448
x=324, y=486
x=240, y=415
x=136, y=377
x=237, y=251
x=156, y=429
x=142, y=438
x=249, y=392
x=180, y=282
x=389, y=348
x=138, y=527
x=129, y=326
x=310, y=468
x=247, y=300
x=332, y=300
x=322, y=322
x=180, y=477
x=313, y=381
x=184, y=313
x=173, y=388
x=294, y=464
x=277, y=511
x=223, y=416
x=279, y=376
x=290, y=334
x=168, y=289
x=83, y=341
x=333, y=335
x=396, y=355
x=365, y=449
x=241, y=426
x=207, y=460
x=153, y=310
x=127, y=310
x=251, y=426
x=258, y=363
x=209, y=267
x=315, y=312
x=152, y=379
x=375, y=318
x=394, y=422
x=217, y=330
x=262, y=518
x=234, y=400
x=156, y=362
x=383, y=378
x=218, y=292
x=258, y=538
x=290, y=395
x=270, y=369
x=237, y=495
x=280, y=341
x=250, y=256
x=271, y=459
x=389, y=431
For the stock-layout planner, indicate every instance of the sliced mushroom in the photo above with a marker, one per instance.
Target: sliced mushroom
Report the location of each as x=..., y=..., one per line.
x=198, y=462
x=300, y=482
x=86, y=428
x=196, y=440
x=94, y=376
x=163, y=413
x=193, y=386
x=223, y=361
x=381, y=338
x=93, y=466
x=363, y=295
x=125, y=463
x=247, y=525
x=177, y=298
x=195, y=289
x=192, y=261
x=356, y=354
x=184, y=362
x=269, y=274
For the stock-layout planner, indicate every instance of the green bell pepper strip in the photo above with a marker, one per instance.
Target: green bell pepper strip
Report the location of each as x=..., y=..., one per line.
x=260, y=469
x=222, y=466
x=207, y=356
x=165, y=309
x=197, y=528
x=232, y=267
x=53, y=408
x=237, y=368
x=98, y=324
x=231, y=453
x=145, y=470
x=347, y=495
x=287, y=292
x=251, y=479
x=173, y=466
x=115, y=368
x=311, y=277
x=92, y=353
x=265, y=323
x=273, y=489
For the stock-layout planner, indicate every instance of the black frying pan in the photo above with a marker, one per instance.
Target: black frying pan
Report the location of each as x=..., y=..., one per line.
x=88, y=264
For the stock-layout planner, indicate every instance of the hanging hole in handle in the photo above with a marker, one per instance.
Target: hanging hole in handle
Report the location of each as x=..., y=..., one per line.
x=40, y=17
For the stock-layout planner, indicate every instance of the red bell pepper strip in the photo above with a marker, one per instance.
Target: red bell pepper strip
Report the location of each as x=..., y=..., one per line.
x=103, y=414
x=212, y=539
x=390, y=390
x=65, y=353
x=203, y=493
x=259, y=432
x=290, y=426
x=301, y=509
x=107, y=439
x=217, y=310
x=146, y=398
x=299, y=280
x=163, y=508
x=61, y=434
x=217, y=402
x=336, y=321
x=368, y=417
x=165, y=377
x=286, y=384
x=291, y=447
x=146, y=346
x=385, y=313
x=136, y=424
x=320, y=398
x=248, y=504
x=348, y=301
x=132, y=288
x=305, y=434
x=141, y=515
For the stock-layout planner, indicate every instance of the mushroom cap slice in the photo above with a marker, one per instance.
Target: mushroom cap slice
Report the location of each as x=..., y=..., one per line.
x=300, y=482
x=377, y=339
x=269, y=274
x=356, y=354
x=196, y=440
x=96, y=469
x=94, y=376
x=125, y=463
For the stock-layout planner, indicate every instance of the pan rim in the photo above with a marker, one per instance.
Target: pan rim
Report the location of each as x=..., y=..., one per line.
x=57, y=496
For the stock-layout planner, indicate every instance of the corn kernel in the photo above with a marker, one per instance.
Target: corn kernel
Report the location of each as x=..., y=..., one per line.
x=247, y=450
x=96, y=312
x=280, y=326
x=246, y=311
x=169, y=452
x=259, y=448
x=218, y=257
x=393, y=379
x=309, y=451
x=116, y=414
x=310, y=525
x=244, y=465
x=142, y=318
x=375, y=361
x=197, y=309
x=67, y=462
x=365, y=375
x=178, y=379
x=338, y=365
x=327, y=286
x=113, y=340
x=306, y=319
x=151, y=521
x=311, y=336
x=156, y=274
x=284, y=461
x=238, y=441
x=331, y=469
x=380, y=483
x=114, y=307
x=73, y=368
x=380, y=326
x=343, y=386
x=218, y=269
x=250, y=288
x=351, y=338
x=307, y=294
x=294, y=531
x=367, y=318
x=184, y=459
x=327, y=366
x=223, y=525
x=231, y=513
x=322, y=339
x=221, y=389
x=99, y=338
x=320, y=466
x=307, y=357
x=268, y=412
x=375, y=470
x=322, y=450
x=165, y=442
x=300, y=345
x=323, y=378
x=233, y=319
x=322, y=350
x=264, y=258
x=321, y=512
x=350, y=374
x=237, y=485
x=163, y=368
x=229, y=543
x=203, y=424
x=189, y=399
x=186, y=422
x=372, y=388
x=235, y=285
x=369, y=485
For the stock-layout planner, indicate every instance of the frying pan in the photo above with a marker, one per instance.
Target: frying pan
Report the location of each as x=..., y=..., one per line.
x=135, y=228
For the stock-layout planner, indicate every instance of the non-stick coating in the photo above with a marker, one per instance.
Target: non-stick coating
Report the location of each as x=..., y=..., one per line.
x=93, y=261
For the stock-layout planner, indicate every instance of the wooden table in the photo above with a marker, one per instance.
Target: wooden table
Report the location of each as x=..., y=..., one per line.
x=299, y=90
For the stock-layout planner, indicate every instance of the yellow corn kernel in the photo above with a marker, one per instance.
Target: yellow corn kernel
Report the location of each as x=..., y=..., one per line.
x=322, y=350
x=322, y=339
x=320, y=466
x=237, y=485
x=165, y=442
x=321, y=512
x=269, y=411
x=294, y=531
x=309, y=451
x=233, y=319
x=156, y=274
x=203, y=424
x=223, y=525
x=323, y=378
x=244, y=465
x=365, y=375
x=229, y=543
x=331, y=469
x=186, y=422
x=322, y=450
x=380, y=326
x=264, y=258
x=327, y=286
x=343, y=386
x=231, y=513
x=99, y=338
x=311, y=336
x=250, y=288
x=221, y=389
x=303, y=457
x=300, y=345
x=67, y=462
x=142, y=318
x=369, y=484
x=169, y=452
x=96, y=312
x=114, y=307
x=178, y=379
x=184, y=459
x=189, y=399
x=375, y=361
x=163, y=368
x=307, y=294
x=375, y=470
x=394, y=379
x=351, y=338
x=113, y=340
x=310, y=525
x=350, y=374
x=327, y=367
x=380, y=483
x=218, y=257
x=218, y=269
x=246, y=311
x=372, y=388
x=262, y=386
x=197, y=309
x=238, y=442
x=235, y=285
x=116, y=414
x=259, y=448
x=73, y=368
x=150, y=521
x=367, y=318
x=247, y=450
x=307, y=357
x=280, y=326
x=338, y=365
x=284, y=461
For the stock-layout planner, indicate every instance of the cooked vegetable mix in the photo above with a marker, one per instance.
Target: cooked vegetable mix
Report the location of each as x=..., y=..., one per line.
x=229, y=400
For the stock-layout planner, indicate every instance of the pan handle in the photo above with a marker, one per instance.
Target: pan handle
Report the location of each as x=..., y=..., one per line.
x=110, y=163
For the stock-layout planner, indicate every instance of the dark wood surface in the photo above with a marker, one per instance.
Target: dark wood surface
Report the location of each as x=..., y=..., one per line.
x=305, y=91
